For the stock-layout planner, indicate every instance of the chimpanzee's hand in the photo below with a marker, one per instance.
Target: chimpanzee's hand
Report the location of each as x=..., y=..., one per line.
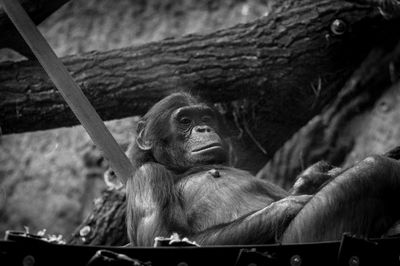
x=314, y=178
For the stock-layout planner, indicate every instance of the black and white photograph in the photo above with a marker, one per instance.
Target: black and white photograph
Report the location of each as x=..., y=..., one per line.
x=199, y=132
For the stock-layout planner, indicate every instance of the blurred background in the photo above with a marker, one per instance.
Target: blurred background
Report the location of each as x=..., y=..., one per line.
x=49, y=179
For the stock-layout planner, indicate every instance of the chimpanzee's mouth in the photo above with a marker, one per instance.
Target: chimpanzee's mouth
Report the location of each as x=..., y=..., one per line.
x=208, y=147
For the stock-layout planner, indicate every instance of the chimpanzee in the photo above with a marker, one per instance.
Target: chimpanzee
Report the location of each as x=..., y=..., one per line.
x=183, y=183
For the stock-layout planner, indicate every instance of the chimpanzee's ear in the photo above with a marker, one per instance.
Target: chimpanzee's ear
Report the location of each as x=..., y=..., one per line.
x=141, y=141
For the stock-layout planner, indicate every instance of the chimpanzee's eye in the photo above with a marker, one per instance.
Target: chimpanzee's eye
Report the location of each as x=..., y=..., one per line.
x=185, y=120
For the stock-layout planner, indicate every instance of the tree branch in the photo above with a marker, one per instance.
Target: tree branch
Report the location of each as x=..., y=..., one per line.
x=287, y=65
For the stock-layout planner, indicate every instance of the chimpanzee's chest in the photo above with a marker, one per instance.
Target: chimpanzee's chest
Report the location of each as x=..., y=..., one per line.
x=220, y=195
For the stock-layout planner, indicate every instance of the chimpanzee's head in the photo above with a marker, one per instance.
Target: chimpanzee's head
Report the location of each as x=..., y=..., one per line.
x=181, y=132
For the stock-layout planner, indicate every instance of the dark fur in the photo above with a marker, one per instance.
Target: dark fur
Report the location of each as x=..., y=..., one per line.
x=171, y=193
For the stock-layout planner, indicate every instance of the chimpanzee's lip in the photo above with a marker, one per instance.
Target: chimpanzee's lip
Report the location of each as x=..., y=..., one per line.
x=208, y=147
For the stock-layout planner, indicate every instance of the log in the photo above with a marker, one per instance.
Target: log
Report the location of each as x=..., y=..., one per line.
x=276, y=62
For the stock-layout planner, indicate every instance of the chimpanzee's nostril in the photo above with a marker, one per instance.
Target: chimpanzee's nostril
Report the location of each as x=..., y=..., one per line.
x=203, y=129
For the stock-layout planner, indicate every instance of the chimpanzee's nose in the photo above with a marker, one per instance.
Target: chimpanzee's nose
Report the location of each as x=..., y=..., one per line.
x=202, y=129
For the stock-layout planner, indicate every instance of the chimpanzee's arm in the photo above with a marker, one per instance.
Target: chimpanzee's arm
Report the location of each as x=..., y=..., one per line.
x=261, y=227
x=153, y=205
x=362, y=200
